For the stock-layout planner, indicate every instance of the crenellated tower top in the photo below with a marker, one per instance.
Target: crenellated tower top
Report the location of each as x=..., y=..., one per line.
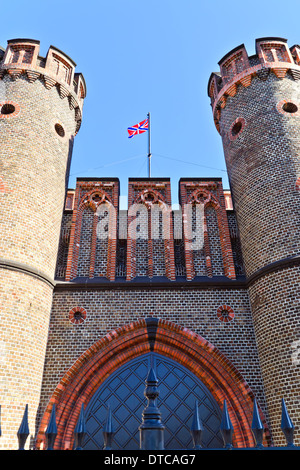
x=238, y=69
x=57, y=69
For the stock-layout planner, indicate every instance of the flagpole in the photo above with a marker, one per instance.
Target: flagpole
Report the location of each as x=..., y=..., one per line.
x=149, y=147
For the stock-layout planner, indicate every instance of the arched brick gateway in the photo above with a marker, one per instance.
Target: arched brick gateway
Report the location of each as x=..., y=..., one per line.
x=130, y=341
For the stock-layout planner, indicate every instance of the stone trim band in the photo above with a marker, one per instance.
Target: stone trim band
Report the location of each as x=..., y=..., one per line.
x=22, y=267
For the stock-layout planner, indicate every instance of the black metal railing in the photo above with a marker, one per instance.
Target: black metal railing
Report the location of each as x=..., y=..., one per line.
x=152, y=428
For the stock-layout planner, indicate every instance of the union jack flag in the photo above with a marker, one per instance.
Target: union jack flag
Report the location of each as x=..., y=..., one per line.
x=139, y=128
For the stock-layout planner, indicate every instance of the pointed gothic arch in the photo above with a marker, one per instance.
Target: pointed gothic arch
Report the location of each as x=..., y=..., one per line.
x=132, y=340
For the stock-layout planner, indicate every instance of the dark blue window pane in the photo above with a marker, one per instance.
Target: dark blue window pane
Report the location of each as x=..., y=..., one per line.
x=124, y=392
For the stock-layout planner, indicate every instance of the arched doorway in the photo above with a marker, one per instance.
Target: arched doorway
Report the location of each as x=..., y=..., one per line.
x=124, y=392
x=131, y=342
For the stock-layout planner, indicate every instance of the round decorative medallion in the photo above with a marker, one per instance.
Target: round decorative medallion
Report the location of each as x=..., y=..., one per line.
x=225, y=313
x=77, y=315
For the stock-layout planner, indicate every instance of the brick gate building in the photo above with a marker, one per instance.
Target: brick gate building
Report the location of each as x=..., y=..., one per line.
x=207, y=295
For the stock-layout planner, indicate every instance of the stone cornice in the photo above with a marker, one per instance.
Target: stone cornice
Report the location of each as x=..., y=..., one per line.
x=26, y=269
x=15, y=71
x=244, y=79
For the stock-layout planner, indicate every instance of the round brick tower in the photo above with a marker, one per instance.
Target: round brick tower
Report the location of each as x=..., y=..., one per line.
x=256, y=108
x=41, y=103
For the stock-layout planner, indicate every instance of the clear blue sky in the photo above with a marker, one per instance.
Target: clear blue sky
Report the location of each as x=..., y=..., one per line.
x=139, y=57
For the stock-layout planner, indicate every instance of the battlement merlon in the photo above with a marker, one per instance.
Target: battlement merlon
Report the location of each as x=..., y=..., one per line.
x=57, y=69
x=237, y=68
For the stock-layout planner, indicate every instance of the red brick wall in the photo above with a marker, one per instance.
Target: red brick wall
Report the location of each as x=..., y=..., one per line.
x=153, y=237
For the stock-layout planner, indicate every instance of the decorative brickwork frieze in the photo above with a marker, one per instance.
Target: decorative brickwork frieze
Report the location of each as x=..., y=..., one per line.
x=150, y=235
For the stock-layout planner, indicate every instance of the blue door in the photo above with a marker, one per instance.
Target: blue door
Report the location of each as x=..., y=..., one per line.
x=178, y=388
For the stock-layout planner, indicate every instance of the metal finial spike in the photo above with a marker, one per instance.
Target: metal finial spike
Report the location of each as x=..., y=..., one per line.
x=23, y=431
x=80, y=430
x=151, y=391
x=287, y=425
x=226, y=427
x=151, y=429
x=51, y=431
x=108, y=431
x=257, y=426
x=151, y=378
x=196, y=428
x=108, y=427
